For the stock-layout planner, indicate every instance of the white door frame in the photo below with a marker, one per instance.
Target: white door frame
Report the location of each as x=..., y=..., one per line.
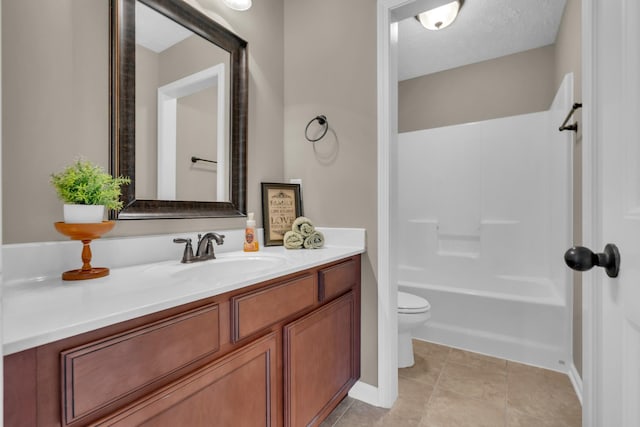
x=605, y=26
x=591, y=197
x=387, y=135
x=387, y=82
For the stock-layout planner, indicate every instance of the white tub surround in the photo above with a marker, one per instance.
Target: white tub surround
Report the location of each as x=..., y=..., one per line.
x=515, y=329
x=485, y=215
x=39, y=307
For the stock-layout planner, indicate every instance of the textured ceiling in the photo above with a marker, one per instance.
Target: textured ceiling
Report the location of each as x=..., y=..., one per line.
x=484, y=29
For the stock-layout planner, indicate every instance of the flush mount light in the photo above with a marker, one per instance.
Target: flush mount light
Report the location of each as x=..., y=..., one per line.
x=240, y=5
x=440, y=17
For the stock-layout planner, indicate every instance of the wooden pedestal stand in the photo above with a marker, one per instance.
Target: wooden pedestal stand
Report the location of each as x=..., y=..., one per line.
x=86, y=233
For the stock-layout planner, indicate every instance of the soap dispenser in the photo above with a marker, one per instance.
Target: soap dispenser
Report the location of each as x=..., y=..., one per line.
x=250, y=240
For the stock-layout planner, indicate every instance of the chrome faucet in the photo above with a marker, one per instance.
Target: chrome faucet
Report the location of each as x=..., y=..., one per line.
x=204, y=249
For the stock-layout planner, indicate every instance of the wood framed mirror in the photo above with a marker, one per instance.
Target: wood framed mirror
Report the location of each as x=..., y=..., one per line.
x=227, y=195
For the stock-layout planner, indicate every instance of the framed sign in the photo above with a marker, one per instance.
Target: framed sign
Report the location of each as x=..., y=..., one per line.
x=281, y=205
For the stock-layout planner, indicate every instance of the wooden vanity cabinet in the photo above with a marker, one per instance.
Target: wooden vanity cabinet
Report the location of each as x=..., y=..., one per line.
x=321, y=361
x=238, y=390
x=282, y=352
x=106, y=370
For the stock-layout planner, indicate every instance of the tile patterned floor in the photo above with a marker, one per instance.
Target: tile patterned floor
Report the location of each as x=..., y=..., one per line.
x=453, y=388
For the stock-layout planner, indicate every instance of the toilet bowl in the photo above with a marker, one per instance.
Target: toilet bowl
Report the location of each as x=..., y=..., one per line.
x=413, y=311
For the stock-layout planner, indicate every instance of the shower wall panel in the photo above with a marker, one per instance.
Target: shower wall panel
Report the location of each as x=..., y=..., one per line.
x=475, y=197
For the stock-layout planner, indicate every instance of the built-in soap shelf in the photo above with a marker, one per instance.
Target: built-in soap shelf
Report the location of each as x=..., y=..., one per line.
x=458, y=246
x=470, y=255
x=423, y=221
x=463, y=245
x=482, y=222
x=409, y=267
x=499, y=222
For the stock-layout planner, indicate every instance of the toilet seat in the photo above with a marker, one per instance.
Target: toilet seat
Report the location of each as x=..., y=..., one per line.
x=409, y=303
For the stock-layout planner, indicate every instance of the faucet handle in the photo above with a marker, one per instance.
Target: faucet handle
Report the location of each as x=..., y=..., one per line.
x=187, y=256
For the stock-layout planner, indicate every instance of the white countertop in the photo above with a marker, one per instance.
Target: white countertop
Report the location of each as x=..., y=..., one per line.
x=41, y=310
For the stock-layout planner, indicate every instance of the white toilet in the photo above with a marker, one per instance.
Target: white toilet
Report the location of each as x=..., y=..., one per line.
x=412, y=311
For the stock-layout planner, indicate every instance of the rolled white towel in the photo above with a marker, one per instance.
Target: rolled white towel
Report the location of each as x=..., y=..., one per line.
x=314, y=241
x=293, y=240
x=303, y=226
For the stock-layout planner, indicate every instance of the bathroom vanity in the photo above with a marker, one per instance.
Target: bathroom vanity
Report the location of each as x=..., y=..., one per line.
x=282, y=351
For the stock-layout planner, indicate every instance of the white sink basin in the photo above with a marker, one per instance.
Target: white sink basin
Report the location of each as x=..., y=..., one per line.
x=226, y=265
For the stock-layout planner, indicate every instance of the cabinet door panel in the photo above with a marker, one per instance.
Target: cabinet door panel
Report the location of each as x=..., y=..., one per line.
x=238, y=390
x=321, y=356
x=103, y=371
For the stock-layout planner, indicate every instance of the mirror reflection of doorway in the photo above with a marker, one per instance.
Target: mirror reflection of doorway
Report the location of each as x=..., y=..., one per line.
x=191, y=111
x=182, y=93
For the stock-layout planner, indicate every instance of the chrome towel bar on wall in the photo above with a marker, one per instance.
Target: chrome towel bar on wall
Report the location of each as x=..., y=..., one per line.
x=572, y=126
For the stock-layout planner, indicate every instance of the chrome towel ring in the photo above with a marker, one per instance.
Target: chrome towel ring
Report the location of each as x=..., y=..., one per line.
x=322, y=121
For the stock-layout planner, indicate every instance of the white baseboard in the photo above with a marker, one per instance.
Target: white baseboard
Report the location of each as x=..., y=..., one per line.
x=365, y=393
x=576, y=381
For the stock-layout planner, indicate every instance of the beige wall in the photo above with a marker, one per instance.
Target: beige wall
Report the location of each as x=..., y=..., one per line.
x=56, y=87
x=514, y=84
x=330, y=63
x=569, y=59
x=56, y=80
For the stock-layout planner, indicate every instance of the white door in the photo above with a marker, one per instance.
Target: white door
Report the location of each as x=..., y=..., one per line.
x=611, y=117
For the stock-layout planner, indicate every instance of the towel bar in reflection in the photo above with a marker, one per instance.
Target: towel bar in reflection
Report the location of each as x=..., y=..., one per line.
x=195, y=159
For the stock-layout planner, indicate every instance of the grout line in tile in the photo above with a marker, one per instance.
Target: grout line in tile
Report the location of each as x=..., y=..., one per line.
x=435, y=385
x=506, y=406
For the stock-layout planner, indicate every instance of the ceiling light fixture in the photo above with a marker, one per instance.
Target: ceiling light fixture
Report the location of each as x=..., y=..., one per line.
x=440, y=17
x=240, y=5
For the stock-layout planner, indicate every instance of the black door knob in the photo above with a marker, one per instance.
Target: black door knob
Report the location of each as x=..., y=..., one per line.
x=582, y=259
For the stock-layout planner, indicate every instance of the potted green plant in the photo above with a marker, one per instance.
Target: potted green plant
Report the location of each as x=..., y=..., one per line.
x=86, y=189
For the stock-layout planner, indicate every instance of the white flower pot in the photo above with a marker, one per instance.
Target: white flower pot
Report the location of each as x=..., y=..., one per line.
x=83, y=214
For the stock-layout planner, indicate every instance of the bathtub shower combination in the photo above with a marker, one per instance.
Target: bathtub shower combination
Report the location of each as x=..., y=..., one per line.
x=484, y=215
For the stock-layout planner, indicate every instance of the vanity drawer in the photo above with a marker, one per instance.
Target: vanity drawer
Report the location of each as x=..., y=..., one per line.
x=238, y=390
x=101, y=372
x=259, y=309
x=336, y=280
